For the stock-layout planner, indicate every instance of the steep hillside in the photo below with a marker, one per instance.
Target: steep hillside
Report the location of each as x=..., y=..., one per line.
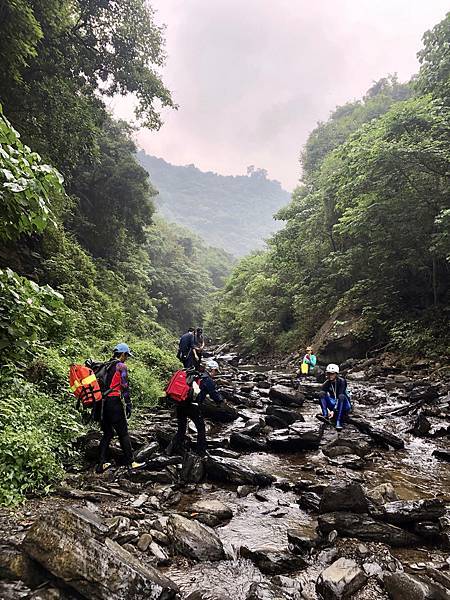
x=231, y=212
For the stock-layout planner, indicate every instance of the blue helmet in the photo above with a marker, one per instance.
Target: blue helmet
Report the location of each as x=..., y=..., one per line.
x=123, y=348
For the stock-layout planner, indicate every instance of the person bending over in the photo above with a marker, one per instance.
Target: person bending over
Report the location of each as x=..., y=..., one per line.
x=192, y=409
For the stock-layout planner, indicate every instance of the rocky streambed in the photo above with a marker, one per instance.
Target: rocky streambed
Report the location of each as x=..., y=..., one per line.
x=282, y=507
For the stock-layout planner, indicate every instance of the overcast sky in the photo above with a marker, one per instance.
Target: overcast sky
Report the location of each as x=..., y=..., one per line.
x=253, y=77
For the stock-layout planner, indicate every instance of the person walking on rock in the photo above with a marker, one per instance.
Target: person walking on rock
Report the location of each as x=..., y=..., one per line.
x=192, y=409
x=334, y=396
x=186, y=348
x=114, y=416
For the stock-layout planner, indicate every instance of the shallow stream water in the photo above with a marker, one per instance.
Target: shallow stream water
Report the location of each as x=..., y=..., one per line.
x=261, y=522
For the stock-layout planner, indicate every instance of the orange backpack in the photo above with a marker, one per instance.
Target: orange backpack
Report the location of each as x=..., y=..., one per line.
x=84, y=385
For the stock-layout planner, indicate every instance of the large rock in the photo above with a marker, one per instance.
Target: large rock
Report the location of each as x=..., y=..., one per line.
x=229, y=470
x=347, y=497
x=338, y=339
x=74, y=546
x=284, y=414
x=241, y=441
x=194, y=540
x=146, y=452
x=281, y=394
x=273, y=563
x=405, y=512
x=366, y=528
x=193, y=468
x=299, y=436
x=403, y=586
x=379, y=435
x=340, y=580
x=211, y=512
x=220, y=413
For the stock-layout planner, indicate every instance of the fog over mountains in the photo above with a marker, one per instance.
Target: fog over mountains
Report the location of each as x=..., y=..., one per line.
x=233, y=212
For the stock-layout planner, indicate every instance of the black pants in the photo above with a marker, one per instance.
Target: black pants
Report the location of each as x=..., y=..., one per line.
x=114, y=421
x=191, y=411
x=188, y=361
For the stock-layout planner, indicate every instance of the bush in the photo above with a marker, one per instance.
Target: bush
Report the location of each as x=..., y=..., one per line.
x=36, y=435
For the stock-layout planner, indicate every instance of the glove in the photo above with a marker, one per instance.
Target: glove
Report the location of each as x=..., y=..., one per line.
x=128, y=408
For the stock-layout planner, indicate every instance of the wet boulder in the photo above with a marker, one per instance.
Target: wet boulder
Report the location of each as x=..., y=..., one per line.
x=146, y=452
x=442, y=455
x=382, y=493
x=219, y=413
x=379, y=435
x=405, y=512
x=253, y=427
x=193, y=539
x=273, y=563
x=210, y=512
x=233, y=471
x=425, y=393
x=286, y=396
x=366, y=529
x=309, y=501
x=349, y=443
x=73, y=544
x=298, y=437
x=241, y=441
x=342, y=579
x=300, y=542
x=284, y=414
x=192, y=469
x=345, y=496
x=401, y=585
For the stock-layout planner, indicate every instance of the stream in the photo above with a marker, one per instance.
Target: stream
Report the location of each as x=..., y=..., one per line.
x=275, y=505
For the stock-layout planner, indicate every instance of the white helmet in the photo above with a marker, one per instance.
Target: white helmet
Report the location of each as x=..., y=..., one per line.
x=211, y=365
x=332, y=368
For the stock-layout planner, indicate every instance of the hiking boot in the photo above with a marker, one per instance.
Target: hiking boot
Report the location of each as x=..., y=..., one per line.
x=136, y=465
x=102, y=467
x=339, y=426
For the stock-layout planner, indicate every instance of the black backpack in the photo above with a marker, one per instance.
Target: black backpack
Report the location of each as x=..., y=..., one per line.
x=104, y=372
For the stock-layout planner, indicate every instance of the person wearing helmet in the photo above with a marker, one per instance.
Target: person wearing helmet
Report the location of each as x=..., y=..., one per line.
x=192, y=409
x=114, y=416
x=334, y=396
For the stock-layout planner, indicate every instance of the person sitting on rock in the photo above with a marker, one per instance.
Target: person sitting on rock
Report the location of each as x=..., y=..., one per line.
x=114, y=418
x=334, y=396
x=192, y=409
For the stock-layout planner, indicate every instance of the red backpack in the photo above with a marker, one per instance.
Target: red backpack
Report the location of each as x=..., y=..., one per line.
x=179, y=387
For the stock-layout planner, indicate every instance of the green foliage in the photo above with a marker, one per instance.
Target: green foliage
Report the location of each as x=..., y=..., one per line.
x=29, y=316
x=217, y=207
x=20, y=36
x=182, y=270
x=367, y=233
x=36, y=431
x=114, y=197
x=26, y=186
x=59, y=58
x=434, y=75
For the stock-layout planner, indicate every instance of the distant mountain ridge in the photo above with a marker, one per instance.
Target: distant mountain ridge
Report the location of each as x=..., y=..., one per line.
x=233, y=212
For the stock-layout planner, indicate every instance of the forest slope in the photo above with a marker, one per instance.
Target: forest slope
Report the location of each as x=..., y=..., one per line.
x=230, y=212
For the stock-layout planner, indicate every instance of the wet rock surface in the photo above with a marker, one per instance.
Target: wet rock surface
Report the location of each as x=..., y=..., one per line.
x=283, y=507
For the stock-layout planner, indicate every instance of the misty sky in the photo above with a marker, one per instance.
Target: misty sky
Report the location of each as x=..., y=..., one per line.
x=253, y=77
